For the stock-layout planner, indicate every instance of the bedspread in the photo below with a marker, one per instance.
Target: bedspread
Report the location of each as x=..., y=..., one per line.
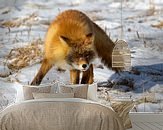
x=59, y=114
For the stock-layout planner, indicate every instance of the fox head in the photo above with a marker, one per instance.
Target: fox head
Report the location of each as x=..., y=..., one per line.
x=81, y=52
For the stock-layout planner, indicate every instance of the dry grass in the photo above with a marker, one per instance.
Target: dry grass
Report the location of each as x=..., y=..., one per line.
x=24, y=56
x=159, y=25
x=19, y=21
x=147, y=98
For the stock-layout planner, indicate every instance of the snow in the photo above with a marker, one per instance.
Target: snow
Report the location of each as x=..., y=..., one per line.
x=145, y=43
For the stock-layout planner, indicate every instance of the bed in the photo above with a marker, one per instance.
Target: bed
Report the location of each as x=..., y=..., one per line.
x=59, y=114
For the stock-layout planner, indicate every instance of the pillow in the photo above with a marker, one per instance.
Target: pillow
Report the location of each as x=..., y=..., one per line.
x=122, y=109
x=28, y=90
x=79, y=90
x=92, y=92
x=53, y=95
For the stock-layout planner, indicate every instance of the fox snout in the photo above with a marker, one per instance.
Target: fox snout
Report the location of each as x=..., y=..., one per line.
x=81, y=64
x=84, y=66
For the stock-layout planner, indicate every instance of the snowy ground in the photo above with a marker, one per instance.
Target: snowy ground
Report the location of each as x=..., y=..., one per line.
x=30, y=20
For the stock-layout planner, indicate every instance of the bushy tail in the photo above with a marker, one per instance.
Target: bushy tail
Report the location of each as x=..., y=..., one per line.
x=104, y=46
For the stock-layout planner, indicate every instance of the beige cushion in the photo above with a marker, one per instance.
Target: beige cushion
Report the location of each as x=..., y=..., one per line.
x=53, y=95
x=28, y=90
x=122, y=108
x=80, y=91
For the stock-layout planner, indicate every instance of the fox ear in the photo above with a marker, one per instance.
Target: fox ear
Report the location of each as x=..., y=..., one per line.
x=89, y=38
x=64, y=39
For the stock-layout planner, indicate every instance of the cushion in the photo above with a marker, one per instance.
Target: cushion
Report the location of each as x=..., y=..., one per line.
x=53, y=95
x=92, y=92
x=28, y=90
x=79, y=90
x=122, y=108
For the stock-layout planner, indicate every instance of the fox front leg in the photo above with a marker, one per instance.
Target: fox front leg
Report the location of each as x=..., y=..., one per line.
x=45, y=67
x=74, y=76
x=88, y=76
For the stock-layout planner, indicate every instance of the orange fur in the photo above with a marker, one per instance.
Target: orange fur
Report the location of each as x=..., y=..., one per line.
x=70, y=37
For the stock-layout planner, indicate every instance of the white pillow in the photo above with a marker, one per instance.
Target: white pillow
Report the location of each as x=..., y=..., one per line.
x=92, y=92
x=20, y=93
x=53, y=95
x=29, y=89
x=79, y=90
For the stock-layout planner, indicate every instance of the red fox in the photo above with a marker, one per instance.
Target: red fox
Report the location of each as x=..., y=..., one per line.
x=73, y=41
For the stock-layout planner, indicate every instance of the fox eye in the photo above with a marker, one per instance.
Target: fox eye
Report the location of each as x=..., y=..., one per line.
x=65, y=40
x=89, y=35
x=89, y=38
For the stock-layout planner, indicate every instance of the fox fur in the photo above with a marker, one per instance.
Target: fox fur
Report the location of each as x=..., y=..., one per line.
x=73, y=41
